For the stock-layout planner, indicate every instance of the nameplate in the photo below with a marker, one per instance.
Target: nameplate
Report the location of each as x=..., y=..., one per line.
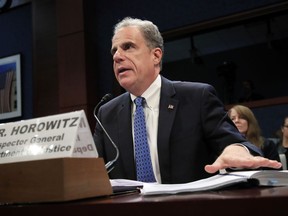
x=55, y=136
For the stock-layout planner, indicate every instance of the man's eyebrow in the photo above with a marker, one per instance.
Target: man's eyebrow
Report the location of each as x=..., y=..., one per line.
x=113, y=50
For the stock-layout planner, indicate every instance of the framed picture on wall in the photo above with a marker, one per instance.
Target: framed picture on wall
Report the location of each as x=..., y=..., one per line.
x=10, y=87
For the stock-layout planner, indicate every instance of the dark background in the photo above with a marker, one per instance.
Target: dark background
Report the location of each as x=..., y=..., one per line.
x=66, y=63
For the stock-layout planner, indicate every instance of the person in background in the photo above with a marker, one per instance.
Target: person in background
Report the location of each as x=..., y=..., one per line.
x=189, y=133
x=247, y=124
x=283, y=141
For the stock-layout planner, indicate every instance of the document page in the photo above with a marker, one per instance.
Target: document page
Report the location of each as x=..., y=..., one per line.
x=214, y=182
x=222, y=180
x=125, y=185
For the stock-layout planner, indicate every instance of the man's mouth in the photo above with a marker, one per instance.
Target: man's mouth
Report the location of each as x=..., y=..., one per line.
x=121, y=70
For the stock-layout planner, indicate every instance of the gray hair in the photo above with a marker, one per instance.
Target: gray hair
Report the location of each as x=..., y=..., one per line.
x=149, y=31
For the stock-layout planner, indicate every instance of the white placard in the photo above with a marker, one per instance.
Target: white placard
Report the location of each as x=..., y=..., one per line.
x=55, y=136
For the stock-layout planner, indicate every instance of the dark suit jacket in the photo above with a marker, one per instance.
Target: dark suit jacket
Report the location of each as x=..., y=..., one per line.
x=193, y=129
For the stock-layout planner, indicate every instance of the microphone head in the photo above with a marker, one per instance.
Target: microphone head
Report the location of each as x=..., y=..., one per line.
x=104, y=99
x=107, y=97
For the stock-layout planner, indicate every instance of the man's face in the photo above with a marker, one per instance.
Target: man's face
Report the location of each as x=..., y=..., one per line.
x=135, y=64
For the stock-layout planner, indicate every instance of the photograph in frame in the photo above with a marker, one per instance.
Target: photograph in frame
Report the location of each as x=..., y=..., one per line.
x=10, y=87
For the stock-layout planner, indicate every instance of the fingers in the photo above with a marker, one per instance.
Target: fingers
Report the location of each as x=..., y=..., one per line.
x=211, y=168
x=235, y=156
x=216, y=166
x=251, y=163
x=264, y=162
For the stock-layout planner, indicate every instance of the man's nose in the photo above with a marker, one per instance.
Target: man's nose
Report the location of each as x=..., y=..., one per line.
x=117, y=55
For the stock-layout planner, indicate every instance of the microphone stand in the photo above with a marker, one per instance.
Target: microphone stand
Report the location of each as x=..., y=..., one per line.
x=110, y=164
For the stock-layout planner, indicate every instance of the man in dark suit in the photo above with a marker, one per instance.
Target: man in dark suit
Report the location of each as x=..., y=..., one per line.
x=190, y=135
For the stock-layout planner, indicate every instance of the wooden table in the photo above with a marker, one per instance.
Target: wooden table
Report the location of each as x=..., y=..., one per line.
x=233, y=202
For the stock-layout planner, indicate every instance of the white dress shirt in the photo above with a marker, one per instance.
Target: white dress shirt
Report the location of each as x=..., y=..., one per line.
x=151, y=110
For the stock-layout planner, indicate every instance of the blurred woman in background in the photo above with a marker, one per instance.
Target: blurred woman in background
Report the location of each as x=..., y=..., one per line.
x=283, y=143
x=247, y=124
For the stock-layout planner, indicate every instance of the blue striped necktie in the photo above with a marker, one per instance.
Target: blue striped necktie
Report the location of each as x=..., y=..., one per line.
x=142, y=153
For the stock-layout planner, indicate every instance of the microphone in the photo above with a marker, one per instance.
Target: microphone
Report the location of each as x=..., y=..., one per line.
x=104, y=99
x=110, y=165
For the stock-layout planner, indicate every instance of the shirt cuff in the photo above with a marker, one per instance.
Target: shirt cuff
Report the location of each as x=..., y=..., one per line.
x=239, y=144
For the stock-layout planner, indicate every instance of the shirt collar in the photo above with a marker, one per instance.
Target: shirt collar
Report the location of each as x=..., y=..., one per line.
x=152, y=94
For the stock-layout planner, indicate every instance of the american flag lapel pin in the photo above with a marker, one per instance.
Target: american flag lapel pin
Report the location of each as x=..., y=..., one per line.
x=170, y=106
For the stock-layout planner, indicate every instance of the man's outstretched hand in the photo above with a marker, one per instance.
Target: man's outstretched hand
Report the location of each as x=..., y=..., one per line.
x=236, y=156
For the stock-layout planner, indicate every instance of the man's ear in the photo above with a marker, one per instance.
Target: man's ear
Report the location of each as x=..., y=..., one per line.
x=157, y=55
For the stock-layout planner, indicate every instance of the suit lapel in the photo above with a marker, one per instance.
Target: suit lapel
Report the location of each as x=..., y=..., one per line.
x=167, y=112
x=126, y=156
